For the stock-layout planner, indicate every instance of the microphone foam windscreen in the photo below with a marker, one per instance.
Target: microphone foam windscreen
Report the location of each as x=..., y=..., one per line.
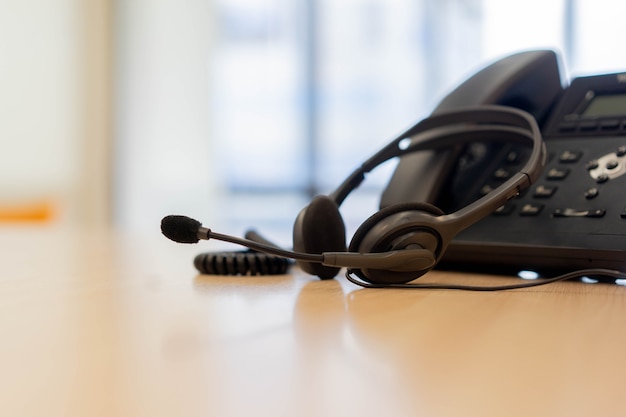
x=181, y=229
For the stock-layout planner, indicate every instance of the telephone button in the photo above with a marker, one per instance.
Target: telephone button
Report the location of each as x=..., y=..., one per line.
x=608, y=167
x=504, y=210
x=570, y=212
x=543, y=191
x=593, y=164
x=512, y=157
x=486, y=189
x=570, y=157
x=557, y=173
x=591, y=193
x=502, y=174
x=531, y=209
x=601, y=178
x=596, y=213
x=621, y=151
x=612, y=164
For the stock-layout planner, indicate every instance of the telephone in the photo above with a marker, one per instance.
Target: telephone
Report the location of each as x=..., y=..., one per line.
x=574, y=217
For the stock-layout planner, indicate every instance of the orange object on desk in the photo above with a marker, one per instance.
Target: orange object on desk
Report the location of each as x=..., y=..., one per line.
x=32, y=212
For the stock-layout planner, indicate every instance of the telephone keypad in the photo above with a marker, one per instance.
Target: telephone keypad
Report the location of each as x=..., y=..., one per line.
x=565, y=163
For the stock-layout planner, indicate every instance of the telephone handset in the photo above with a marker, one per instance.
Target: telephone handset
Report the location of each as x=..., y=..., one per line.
x=575, y=215
x=506, y=82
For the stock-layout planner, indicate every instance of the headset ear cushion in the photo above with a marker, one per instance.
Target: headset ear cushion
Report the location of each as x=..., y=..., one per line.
x=371, y=237
x=367, y=225
x=319, y=228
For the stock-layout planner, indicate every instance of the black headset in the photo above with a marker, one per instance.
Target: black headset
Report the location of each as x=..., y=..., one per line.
x=418, y=227
x=400, y=242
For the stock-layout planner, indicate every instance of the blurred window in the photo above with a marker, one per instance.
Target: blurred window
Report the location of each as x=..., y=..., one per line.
x=303, y=91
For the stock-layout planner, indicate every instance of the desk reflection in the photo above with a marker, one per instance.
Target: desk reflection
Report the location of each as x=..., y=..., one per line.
x=523, y=352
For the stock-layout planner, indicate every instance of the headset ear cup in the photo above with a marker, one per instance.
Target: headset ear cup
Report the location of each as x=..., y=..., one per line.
x=319, y=228
x=364, y=242
x=386, y=212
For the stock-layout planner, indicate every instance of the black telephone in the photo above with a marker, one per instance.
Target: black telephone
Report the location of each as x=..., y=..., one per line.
x=574, y=217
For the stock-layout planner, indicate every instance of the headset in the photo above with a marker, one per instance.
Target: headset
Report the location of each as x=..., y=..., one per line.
x=401, y=242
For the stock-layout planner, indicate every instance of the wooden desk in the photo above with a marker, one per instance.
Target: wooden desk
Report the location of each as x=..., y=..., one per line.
x=110, y=325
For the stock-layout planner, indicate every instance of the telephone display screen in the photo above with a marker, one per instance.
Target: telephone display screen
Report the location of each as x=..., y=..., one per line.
x=606, y=105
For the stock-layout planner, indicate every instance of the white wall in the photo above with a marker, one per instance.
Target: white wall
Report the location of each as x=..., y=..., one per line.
x=55, y=113
x=39, y=101
x=162, y=111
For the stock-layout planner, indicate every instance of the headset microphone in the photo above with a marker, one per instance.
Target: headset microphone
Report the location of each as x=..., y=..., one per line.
x=183, y=229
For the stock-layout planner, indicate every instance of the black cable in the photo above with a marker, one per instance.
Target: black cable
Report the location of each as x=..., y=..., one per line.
x=260, y=247
x=570, y=275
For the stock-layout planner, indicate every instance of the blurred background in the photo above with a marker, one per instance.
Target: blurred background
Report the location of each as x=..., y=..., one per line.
x=117, y=112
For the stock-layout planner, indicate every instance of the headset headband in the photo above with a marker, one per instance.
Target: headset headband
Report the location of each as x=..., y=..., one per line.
x=458, y=127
